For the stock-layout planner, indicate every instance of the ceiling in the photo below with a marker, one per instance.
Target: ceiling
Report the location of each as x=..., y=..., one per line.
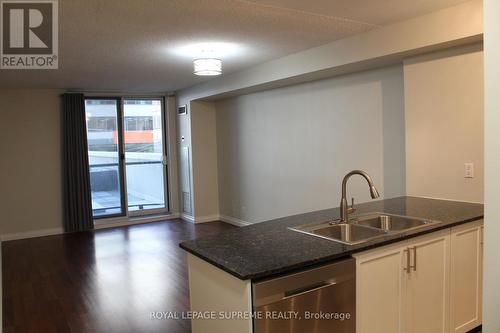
x=149, y=45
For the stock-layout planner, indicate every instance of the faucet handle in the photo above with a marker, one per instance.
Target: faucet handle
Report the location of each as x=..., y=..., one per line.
x=351, y=209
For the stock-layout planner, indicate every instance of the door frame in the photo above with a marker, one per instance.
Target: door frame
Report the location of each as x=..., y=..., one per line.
x=121, y=157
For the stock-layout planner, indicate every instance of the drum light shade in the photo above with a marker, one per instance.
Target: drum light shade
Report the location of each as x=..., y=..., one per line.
x=207, y=67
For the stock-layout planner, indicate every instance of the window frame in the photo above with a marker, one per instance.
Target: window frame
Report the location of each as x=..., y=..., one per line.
x=120, y=103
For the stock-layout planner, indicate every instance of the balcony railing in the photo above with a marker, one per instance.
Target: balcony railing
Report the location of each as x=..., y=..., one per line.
x=145, y=188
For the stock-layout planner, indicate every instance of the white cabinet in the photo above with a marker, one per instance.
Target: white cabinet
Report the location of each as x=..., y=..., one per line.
x=428, y=284
x=466, y=277
x=380, y=289
x=428, y=287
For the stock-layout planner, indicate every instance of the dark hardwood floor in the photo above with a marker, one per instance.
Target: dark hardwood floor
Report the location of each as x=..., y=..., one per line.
x=103, y=281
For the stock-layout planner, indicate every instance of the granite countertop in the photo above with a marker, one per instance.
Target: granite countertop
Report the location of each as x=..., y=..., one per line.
x=269, y=248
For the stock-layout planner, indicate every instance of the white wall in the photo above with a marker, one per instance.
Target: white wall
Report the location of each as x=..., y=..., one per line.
x=285, y=151
x=204, y=145
x=491, y=322
x=444, y=124
x=458, y=25
x=31, y=166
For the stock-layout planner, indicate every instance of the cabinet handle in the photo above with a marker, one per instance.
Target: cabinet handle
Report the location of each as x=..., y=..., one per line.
x=290, y=294
x=407, y=268
x=414, y=258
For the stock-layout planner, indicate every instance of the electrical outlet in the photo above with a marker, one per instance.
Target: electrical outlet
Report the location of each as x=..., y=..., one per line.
x=469, y=170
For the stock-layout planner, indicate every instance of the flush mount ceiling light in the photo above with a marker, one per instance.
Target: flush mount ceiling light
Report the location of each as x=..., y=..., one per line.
x=207, y=55
x=207, y=66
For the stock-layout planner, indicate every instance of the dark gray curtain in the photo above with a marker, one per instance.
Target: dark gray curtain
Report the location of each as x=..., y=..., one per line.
x=77, y=199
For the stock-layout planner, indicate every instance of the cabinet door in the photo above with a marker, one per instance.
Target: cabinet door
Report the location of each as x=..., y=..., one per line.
x=380, y=290
x=428, y=284
x=466, y=280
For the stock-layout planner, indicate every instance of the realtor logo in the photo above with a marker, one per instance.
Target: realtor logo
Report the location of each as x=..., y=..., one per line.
x=29, y=38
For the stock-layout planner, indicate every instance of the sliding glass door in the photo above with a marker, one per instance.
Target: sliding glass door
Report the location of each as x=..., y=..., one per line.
x=144, y=154
x=126, y=140
x=104, y=151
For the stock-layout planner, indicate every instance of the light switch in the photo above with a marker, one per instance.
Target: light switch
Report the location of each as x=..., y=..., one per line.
x=469, y=170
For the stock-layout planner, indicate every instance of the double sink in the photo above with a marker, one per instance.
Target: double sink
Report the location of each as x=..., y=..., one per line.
x=364, y=228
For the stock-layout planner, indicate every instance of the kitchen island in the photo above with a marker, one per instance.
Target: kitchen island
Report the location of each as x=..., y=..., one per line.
x=222, y=268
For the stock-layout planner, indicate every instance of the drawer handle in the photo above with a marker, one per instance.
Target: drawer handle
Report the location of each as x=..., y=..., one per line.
x=302, y=291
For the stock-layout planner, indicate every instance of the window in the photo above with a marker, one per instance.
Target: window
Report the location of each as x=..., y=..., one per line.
x=132, y=128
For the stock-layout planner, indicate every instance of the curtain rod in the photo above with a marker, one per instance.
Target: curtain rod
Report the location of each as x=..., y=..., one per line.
x=111, y=93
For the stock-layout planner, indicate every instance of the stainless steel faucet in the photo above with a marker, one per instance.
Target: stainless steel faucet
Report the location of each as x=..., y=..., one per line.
x=344, y=209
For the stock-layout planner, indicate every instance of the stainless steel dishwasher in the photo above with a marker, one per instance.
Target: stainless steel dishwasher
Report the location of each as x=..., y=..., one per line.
x=318, y=300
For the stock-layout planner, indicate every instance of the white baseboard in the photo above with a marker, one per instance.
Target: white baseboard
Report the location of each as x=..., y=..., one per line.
x=234, y=221
x=187, y=218
x=213, y=218
x=121, y=223
x=31, y=234
x=98, y=225
x=444, y=199
x=208, y=218
x=201, y=219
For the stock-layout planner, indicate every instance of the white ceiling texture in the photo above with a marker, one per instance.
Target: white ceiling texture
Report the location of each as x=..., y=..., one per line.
x=149, y=45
